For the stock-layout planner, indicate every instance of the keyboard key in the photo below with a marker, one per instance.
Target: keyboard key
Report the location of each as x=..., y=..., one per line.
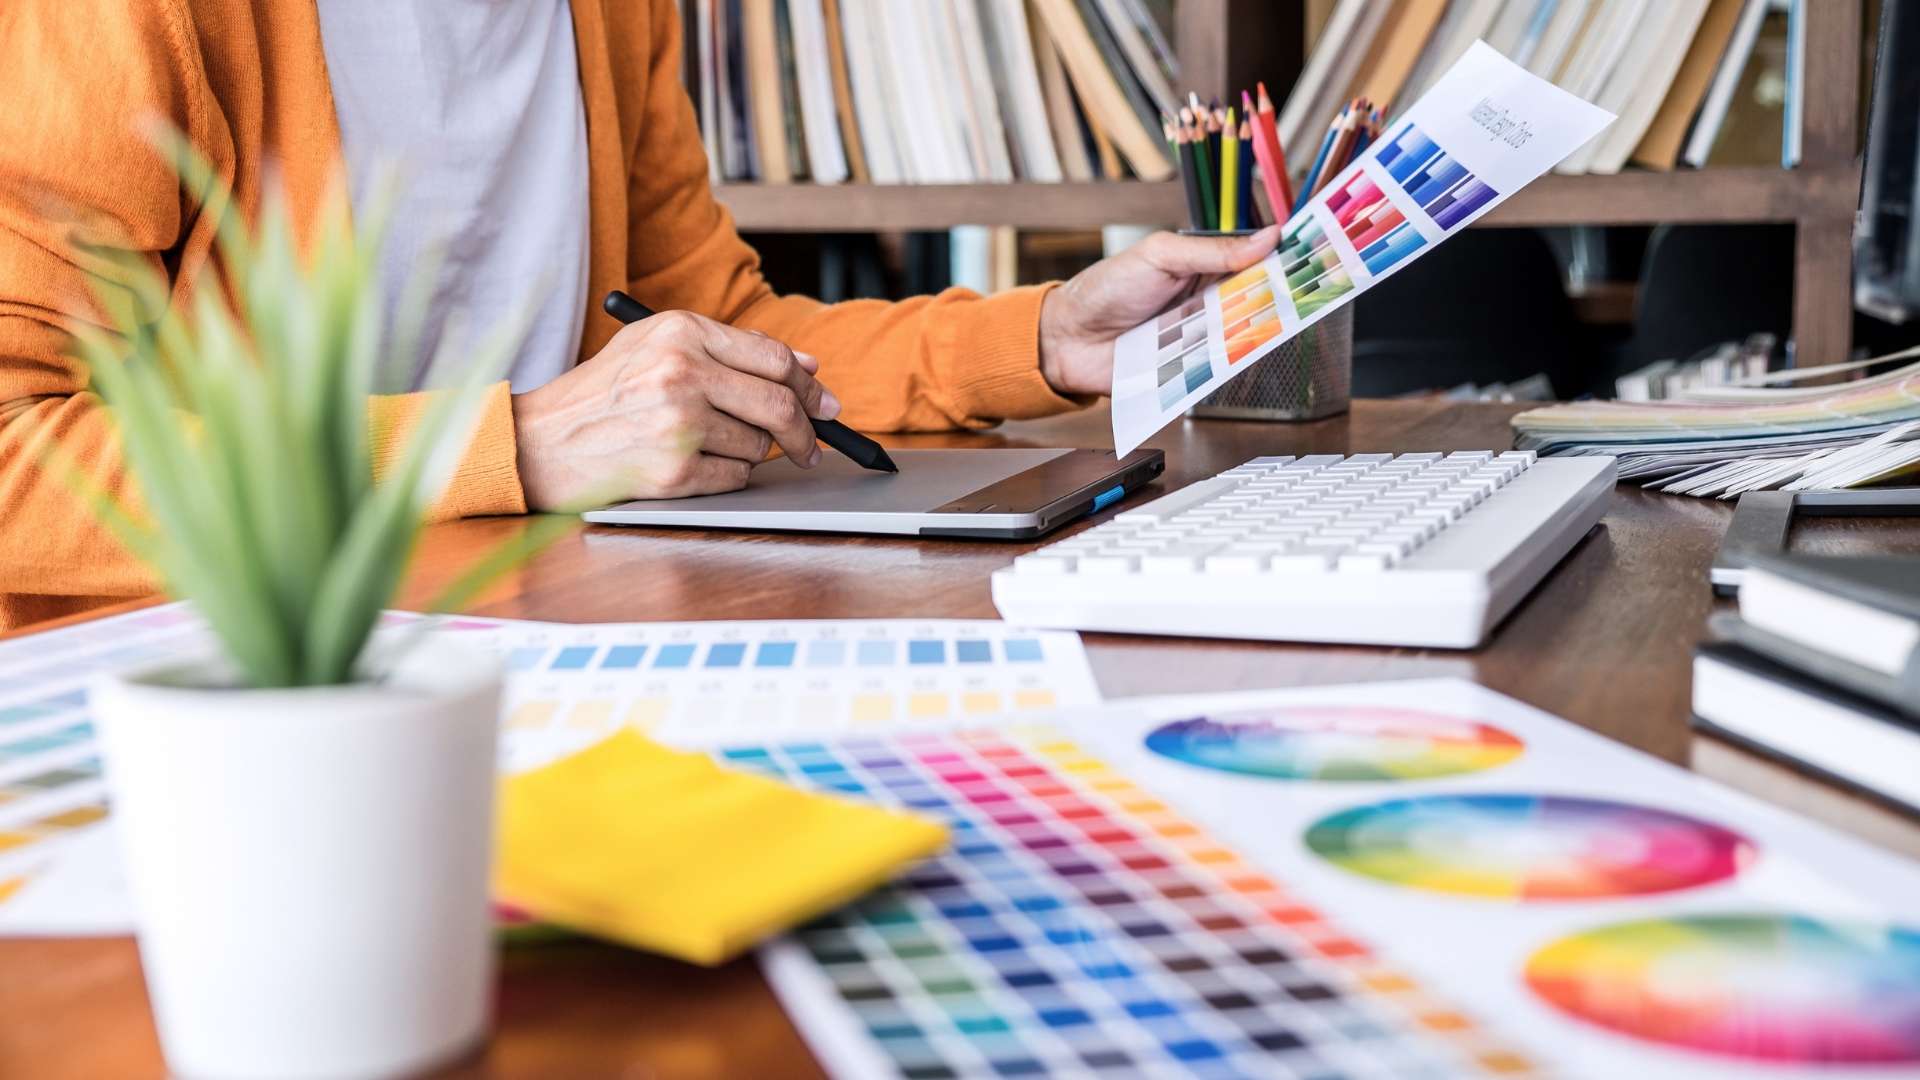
x=1244, y=562
x=1298, y=562
x=1365, y=562
x=1179, y=558
x=1167, y=506
x=1109, y=564
x=1045, y=562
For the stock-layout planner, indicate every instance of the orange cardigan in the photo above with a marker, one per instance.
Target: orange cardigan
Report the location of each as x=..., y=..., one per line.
x=247, y=82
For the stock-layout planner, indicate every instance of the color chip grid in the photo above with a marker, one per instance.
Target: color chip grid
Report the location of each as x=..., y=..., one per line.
x=1079, y=925
x=1436, y=182
x=819, y=655
x=1184, y=357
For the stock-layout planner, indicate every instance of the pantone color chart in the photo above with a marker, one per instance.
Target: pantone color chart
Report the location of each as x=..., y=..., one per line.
x=1599, y=913
x=695, y=684
x=1337, y=743
x=1528, y=847
x=1081, y=926
x=52, y=796
x=1484, y=131
x=567, y=686
x=1752, y=986
x=1183, y=352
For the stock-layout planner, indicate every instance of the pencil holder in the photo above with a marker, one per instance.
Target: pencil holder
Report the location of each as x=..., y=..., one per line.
x=1306, y=378
x=1218, y=232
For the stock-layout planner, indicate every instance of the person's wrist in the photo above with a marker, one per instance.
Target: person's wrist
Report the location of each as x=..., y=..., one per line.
x=1055, y=340
x=526, y=439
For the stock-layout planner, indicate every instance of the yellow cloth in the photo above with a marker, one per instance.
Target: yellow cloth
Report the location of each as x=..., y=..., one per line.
x=669, y=852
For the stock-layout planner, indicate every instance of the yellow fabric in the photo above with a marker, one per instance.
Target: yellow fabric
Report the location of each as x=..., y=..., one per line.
x=669, y=852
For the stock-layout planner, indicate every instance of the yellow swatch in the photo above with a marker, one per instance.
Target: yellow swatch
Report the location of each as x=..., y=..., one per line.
x=669, y=852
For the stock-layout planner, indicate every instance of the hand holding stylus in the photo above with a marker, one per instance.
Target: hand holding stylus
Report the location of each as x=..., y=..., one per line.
x=864, y=451
x=675, y=405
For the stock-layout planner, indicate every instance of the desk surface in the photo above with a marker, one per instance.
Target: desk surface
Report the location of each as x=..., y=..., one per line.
x=1605, y=641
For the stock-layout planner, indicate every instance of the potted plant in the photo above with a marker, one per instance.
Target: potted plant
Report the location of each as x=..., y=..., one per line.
x=305, y=816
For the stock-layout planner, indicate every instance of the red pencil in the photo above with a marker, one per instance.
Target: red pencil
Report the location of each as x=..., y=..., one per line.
x=1272, y=156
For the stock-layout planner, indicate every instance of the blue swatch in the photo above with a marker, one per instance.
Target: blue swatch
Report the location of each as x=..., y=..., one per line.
x=876, y=654
x=973, y=651
x=673, y=656
x=926, y=651
x=775, y=654
x=1023, y=650
x=524, y=659
x=623, y=657
x=826, y=654
x=574, y=658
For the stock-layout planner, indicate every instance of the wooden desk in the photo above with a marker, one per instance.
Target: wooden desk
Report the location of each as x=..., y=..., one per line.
x=1605, y=642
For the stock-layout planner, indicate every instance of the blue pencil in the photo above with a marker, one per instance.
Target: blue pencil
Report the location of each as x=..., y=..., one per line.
x=1320, y=159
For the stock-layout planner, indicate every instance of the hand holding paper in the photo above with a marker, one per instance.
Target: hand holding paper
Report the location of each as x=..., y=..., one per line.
x=1486, y=130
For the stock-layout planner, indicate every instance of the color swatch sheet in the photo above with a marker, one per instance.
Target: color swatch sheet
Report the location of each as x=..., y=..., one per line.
x=687, y=684
x=1421, y=879
x=1486, y=130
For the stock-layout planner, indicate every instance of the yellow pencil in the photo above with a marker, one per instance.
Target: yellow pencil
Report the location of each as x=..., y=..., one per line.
x=1230, y=177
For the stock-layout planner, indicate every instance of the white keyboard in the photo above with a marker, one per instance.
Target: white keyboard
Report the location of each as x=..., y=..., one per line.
x=1376, y=549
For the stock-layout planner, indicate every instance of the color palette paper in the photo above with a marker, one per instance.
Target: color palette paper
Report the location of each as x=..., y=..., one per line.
x=568, y=686
x=1528, y=847
x=1081, y=926
x=1485, y=130
x=1468, y=881
x=1332, y=743
x=1759, y=987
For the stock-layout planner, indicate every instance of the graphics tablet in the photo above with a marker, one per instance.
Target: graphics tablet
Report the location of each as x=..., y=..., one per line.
x=996, y=494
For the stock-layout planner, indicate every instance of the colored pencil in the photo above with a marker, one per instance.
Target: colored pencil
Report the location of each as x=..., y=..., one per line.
x=1176, y=138
x=1249, y=213
x=1266, y=132
x=1203, y=171
x=1320, y=161
x=1341, y=154
x=1229, y=175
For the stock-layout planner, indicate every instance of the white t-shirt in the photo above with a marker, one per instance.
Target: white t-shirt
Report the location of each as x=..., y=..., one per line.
x=476, y=104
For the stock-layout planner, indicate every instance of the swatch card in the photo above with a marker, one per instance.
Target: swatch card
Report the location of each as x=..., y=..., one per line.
x=568, y=686
x=1486, y=130
x=1415, y=879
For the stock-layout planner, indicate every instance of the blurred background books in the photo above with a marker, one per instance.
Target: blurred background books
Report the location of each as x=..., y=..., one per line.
x=932, y=91
x=1664, y=247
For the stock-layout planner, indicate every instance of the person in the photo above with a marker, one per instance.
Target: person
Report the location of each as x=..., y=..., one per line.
x=554, y=147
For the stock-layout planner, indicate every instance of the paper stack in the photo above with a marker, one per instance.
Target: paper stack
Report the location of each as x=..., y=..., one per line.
x=1753, y=436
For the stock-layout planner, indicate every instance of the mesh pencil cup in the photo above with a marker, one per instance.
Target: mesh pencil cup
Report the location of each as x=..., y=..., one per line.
x=1306, y=378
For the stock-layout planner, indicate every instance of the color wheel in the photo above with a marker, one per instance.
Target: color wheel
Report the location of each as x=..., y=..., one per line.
x=1773, y=988
x=1337, y=742
x=1528, y=847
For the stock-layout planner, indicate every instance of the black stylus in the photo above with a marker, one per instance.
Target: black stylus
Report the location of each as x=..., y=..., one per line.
x=864, y=451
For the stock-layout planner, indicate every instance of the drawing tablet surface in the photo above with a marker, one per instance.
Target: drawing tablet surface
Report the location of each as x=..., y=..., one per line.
x=1009, y=494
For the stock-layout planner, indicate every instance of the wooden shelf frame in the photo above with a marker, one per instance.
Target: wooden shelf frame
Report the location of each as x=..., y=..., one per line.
x=1230, y=43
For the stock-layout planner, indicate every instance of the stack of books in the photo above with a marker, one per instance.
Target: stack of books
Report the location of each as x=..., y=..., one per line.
x=1750, y=435
x=1821, y=670
x=931, y=91
x=1699, y=81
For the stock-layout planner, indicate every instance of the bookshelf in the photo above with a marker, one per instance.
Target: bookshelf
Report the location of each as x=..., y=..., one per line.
x=1230, y=43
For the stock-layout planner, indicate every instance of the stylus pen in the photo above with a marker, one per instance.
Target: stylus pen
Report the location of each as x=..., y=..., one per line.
x=864, y=451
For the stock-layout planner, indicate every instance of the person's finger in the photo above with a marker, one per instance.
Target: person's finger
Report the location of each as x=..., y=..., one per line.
x=1185, y=256
x=706, y=474
x=812, y=364
x=762, y=356
x=771, y=406
x=723, y=436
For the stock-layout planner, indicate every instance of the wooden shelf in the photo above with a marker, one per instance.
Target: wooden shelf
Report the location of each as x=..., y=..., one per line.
x=1689, y=196
x=875, y=207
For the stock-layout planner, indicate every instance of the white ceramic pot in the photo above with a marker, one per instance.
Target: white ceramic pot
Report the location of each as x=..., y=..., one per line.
x=309, y=867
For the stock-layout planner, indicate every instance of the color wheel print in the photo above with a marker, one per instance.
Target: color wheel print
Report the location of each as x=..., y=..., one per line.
x=1528, y=847
x=1785, y=989
x=1337, y=742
